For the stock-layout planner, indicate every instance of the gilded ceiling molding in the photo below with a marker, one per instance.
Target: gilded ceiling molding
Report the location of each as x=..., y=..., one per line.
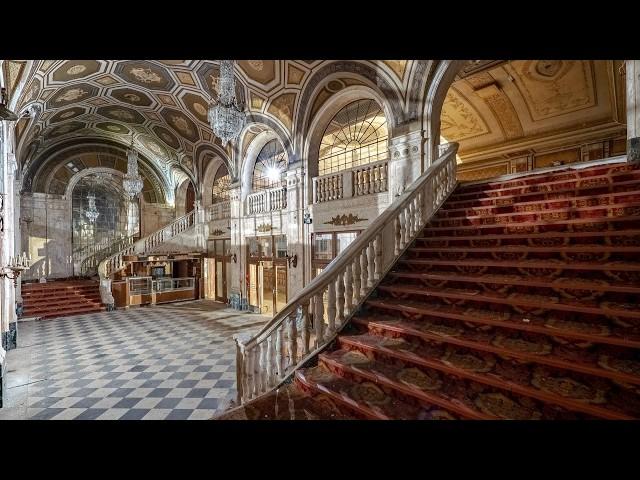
x=502, y=109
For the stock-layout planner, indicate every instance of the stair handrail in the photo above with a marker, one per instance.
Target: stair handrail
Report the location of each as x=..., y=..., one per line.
x=114, y=262
x=264, y=360
x=95, y=258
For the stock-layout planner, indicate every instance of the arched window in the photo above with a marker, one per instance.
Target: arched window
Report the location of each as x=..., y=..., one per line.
x=269, y=169
x=356, y=135
x=221, y=182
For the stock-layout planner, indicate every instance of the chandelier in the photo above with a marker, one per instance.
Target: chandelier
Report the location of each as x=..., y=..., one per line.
x=226, y=116
x=92, y=213
x=132, y=182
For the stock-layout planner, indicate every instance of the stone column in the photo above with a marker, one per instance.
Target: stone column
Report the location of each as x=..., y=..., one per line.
x=236, y=289
x=295, y=229
x=7, y=288
x=405, y=161
x=633, y=110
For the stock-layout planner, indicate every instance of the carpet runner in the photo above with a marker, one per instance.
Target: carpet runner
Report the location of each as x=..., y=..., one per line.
x=519, y=300
x=60, y=298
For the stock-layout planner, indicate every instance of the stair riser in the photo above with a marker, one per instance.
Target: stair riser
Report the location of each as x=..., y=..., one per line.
x=566, y=286
x=558, y=216
x=610, y=201
x=499, y=373
x=554, y=182
x=564, y=239
x=602, y=254
x=533, y=228
x=622, y=188
x=573, y=327
x=484, y=348
x=463, y=390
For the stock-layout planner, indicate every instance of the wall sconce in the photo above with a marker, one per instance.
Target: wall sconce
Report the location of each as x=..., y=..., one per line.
x=292, y=261
x=234, y=258
x=16, y=266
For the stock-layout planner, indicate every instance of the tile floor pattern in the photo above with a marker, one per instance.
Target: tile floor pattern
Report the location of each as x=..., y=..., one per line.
x=163, y=362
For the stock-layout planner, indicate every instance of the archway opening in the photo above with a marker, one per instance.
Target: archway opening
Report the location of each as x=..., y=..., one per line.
x=522, y=115
x=102, y=214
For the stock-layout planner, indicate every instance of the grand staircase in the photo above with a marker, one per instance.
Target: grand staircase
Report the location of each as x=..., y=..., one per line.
x=519, y=299
x=61, y=298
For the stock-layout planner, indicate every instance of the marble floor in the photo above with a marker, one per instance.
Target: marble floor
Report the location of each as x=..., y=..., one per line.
x=162, y=362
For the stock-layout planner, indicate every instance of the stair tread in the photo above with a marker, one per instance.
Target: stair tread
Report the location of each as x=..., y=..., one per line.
x=521, y=381
x=446, y=208
x=523, y=300
x=348, y=394
x=511, y=236
x=520, y=225
x=516, y=346
x=529, y=263
x=521, y=280
x=588, y=331
x=454, y=395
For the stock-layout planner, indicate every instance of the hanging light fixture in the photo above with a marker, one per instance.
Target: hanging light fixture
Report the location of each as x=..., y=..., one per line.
x=132, y=182
x=225, y=116
x=92, y=212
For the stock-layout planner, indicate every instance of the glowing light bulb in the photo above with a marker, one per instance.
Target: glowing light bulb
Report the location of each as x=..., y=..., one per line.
x=273, y=173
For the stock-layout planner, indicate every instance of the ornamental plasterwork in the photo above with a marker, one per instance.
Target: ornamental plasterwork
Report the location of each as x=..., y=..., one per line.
x=343, y=220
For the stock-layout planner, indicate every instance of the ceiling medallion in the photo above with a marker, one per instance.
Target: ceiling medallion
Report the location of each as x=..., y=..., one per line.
x=548, y=68
x=225, y=116
x=345, y=220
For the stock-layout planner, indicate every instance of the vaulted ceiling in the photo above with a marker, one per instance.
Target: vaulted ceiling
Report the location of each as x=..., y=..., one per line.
x=162, y=103
x=507, y=107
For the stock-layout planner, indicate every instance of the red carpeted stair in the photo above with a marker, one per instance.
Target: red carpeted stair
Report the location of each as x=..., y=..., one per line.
x=520, y=300
x=61, y=298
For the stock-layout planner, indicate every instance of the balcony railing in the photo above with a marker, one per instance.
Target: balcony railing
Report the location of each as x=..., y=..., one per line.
x=353, y=182
x=219, y=211
x=270, y=200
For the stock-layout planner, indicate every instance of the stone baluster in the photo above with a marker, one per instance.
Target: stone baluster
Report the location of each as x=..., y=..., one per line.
x=348, y=283
x=280, y=353
x=356, y=279
x=270, y=361
x=378, y=257
x=262, y=372
x=331, y=307
x=292, y=341
x=365, y=182
x=305, y=328
x=250, y=371
x=371, y=255
x=318, y=318
x=340, y=294
x=364, y=268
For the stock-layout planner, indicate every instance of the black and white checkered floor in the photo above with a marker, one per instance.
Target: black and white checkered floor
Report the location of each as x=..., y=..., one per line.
x=163, y=362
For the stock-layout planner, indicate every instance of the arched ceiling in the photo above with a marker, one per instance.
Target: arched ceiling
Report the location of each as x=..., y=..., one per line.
x=163, y=103
x=501, y=108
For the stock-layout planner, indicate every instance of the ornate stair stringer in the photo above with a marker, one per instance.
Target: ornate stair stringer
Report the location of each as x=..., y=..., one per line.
x=294, y=335
x=89, y=264
x=116, y=262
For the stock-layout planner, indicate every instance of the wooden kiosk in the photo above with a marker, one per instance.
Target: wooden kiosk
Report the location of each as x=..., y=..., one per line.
x=154, y=279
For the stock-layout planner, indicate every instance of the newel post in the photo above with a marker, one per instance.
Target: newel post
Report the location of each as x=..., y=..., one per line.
x=405, y=161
